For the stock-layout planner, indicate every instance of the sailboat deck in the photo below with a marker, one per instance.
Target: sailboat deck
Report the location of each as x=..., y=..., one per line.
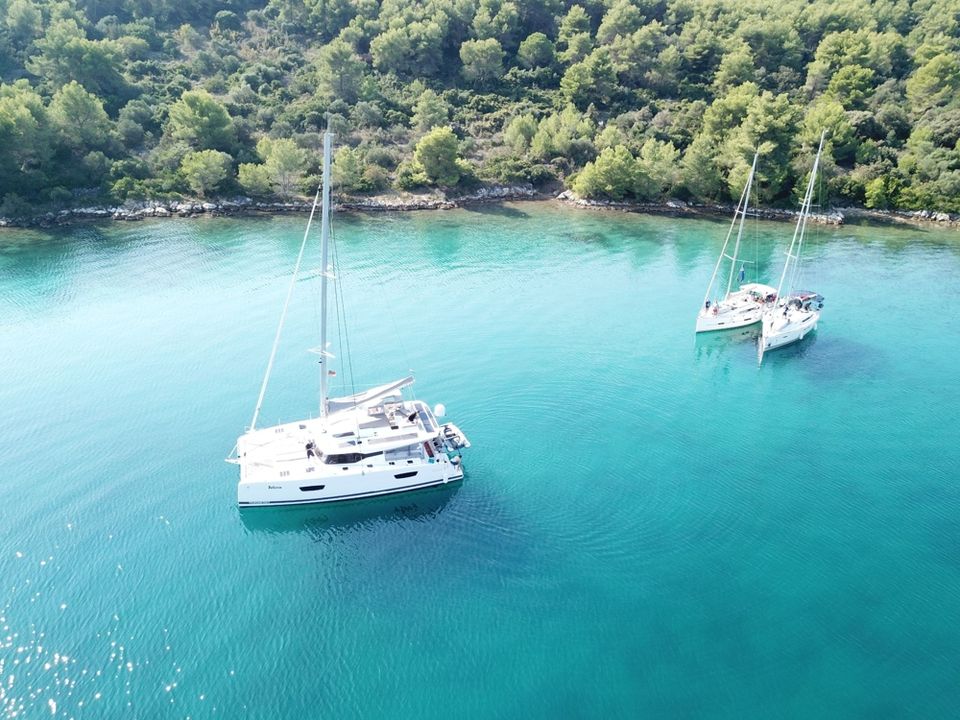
x=353, y=440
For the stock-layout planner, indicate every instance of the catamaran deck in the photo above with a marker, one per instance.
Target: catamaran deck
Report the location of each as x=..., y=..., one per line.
x=348, y=441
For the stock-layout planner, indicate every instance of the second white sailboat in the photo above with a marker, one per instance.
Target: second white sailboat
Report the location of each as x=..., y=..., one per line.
x=796, y=314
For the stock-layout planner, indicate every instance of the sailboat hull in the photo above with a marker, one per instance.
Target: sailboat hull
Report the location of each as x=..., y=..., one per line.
x=778, y=333
x=730, y=319
x=738, y=309
x=353, y=484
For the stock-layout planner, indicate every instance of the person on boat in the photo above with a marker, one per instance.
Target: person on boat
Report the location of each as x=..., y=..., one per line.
x=706, y=305
x=311, y=450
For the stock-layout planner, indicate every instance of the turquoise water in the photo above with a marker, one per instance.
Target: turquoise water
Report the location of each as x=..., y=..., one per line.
x=651, y=525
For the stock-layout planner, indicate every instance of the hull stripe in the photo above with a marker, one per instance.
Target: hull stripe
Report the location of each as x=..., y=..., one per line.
x=340, y=498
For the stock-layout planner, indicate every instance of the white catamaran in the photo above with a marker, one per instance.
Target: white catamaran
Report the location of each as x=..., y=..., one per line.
x=744, y=306
x=368, y=444
x=797, y=313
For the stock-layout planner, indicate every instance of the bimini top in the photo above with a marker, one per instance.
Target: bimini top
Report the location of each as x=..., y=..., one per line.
x=369, y=397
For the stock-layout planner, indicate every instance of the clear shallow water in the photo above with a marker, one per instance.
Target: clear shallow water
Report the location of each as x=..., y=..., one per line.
x=651, y=525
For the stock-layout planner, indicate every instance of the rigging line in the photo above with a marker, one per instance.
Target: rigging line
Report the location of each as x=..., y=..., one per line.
x=743, y=219
x=384, y=277
x=811, y=189
x=341, y=348
x=797, y=240
x=756, y=234
x=315, y=287
x=723, y=249
x=342, y=305
x=283, y=315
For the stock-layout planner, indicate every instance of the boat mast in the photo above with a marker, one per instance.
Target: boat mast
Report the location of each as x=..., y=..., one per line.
x=283, y=315
x=726, y=242
x=795, y=275
x=797, y=239
x=324, y=273
x=743, y=220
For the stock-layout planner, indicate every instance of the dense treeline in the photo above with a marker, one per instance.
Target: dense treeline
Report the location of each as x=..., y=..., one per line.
x=140, y=99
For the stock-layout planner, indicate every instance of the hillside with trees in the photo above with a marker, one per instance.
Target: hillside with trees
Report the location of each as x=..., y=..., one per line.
x=116, y=100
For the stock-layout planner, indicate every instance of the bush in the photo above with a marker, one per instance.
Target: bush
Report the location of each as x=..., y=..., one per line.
x=14, y=206
x=59, y=195
x=255, y=179
x=437, y=154
x=377, y=155
x=205, y=170
x=410, y=176
x=128, y=188
x=512, y=169
x=614, y=175
x=375, y=178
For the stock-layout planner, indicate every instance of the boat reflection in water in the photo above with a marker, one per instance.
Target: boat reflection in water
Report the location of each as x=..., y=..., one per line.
x=735, y=341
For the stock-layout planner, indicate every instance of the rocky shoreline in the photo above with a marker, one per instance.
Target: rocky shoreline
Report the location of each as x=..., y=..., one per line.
x=134, y=211
x=836, y=216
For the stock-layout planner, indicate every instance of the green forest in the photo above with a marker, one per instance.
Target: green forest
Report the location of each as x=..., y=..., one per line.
x=117, y=100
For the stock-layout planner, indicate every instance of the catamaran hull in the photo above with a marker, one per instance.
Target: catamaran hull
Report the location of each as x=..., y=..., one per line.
x=729, y=320
x=352, y=485
x=772, y=338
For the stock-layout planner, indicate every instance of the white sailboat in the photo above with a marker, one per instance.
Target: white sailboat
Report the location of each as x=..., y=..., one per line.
x=743, y=306
x=368, y=444
x=797, y=313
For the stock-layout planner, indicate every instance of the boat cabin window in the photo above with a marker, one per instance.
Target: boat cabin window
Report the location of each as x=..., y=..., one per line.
x=343, y=459
x=403, y=453
x=427, y=424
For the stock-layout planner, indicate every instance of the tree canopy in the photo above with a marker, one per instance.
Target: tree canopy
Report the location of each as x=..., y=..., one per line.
x=614, y=98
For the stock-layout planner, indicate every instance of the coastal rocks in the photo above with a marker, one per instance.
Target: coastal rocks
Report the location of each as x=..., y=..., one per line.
x=673, y=206
x=133, y=211
x=500, y=192
x=494, y=193
x=905, y=217
x=396, y=202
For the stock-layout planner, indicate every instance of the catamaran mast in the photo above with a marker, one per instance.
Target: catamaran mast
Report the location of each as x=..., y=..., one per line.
x=797, y=239
x=324, y=273
x=283, y=315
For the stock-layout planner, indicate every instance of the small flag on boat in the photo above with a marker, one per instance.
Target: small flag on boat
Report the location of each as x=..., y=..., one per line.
x=743, y=273
x=331, y=372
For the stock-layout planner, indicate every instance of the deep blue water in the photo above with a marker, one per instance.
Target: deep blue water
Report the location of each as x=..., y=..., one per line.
x=652, y=525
